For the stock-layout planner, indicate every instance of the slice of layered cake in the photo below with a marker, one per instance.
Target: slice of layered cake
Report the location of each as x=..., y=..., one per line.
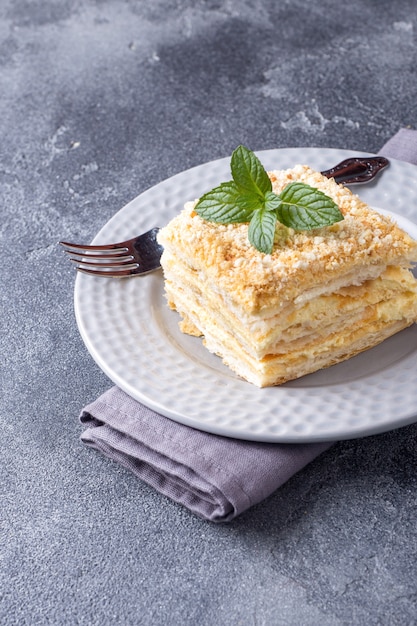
x=317, y=297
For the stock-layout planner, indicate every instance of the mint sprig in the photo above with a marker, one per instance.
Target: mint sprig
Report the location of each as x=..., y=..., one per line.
x=249, y=198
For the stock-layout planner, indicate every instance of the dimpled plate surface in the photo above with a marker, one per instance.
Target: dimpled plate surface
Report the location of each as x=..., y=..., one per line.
x=134, y=337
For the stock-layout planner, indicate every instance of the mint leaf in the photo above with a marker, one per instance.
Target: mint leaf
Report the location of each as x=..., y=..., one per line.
x=261, y=231
x=249, y=198
x=249, y=173
x=272, y=201
x=225, y=205
x=304, y=208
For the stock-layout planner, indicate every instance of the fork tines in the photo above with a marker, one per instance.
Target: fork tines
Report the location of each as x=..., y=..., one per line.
x=139, y=255
x=101, y=260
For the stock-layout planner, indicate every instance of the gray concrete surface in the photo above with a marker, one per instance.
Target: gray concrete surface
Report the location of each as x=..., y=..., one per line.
x=99, y=100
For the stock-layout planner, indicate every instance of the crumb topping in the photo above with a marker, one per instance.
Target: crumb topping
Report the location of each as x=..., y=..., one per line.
x=300, y=259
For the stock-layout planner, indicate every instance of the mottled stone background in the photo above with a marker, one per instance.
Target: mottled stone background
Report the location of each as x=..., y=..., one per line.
x=99, y=100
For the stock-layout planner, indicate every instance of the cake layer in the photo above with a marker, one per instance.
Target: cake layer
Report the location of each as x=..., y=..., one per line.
x=301, y=262
x=282, y=368
x=325, y=331
x=207, y=311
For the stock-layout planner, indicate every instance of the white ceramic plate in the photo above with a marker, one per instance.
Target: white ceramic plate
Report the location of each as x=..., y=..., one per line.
x=134, y=337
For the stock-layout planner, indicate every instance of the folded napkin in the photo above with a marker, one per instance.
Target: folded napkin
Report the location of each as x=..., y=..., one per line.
x=215, y=477
x=402, y=146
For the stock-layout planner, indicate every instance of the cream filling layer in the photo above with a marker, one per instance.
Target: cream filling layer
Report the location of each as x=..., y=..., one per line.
x=282, y=368
x=297, y=325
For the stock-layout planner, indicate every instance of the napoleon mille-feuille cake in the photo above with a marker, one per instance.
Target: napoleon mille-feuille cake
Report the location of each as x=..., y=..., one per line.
x=286, y=273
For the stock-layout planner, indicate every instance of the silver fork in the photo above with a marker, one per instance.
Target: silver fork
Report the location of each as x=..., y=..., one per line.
x=139, y=255
x=142, y=254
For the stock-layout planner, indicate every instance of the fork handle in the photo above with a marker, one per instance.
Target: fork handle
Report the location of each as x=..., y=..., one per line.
x=356, y=169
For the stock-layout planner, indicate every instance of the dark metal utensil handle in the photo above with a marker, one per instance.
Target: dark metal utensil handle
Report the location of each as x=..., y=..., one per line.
x=356, y=169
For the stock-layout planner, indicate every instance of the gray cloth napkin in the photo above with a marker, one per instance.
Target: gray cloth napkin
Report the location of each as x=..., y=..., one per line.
x=402, y=146
x=217, y=478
